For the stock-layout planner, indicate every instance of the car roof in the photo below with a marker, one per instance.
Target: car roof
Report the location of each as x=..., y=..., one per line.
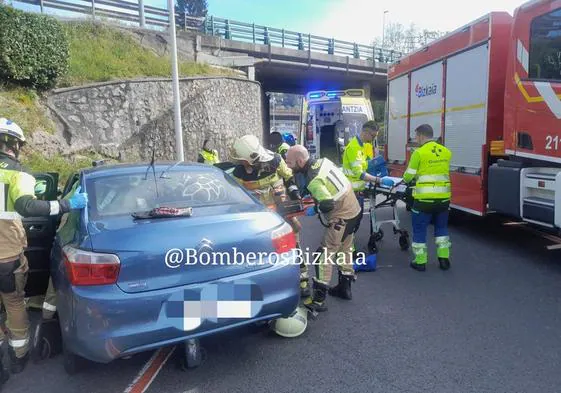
x=124, y=168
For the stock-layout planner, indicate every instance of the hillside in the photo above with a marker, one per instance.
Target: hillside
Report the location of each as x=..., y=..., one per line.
x=97, y=53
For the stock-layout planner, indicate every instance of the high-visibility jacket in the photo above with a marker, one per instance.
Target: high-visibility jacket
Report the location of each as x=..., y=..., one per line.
x=282, y=149
x=208, y=157
x=331, y=190
x=430, y=168
x=272, y=179
x=355, y=163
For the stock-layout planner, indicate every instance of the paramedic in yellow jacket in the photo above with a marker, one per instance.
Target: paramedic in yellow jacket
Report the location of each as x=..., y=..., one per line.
x=17, y=199
x=357, y=153
x=266, y=175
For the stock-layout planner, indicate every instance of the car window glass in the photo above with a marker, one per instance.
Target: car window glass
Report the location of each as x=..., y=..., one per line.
x=545, y=47
x=126, y=194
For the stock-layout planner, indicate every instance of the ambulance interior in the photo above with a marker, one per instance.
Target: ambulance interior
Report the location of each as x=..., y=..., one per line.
x=333, y=129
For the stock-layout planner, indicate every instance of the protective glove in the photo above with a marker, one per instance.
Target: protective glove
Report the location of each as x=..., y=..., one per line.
x=295, y=195
x=78, y=200
x=387, y=182
x=311, y=211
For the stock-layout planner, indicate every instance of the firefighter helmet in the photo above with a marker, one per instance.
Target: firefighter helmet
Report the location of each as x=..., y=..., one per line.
x=9, y=128
x=294, y=325
x=248, y=148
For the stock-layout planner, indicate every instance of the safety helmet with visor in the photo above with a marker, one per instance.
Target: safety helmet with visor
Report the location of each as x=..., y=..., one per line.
x=248, y=149
x=11, y=137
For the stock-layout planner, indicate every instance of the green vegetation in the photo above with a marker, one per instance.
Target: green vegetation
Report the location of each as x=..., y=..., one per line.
x=99, y=53
x=22, y=105
x=34, y=49
x=64, y=166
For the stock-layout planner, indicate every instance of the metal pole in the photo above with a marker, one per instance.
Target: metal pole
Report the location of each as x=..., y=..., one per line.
x=384, y=30
x=141, y=13
x=175, y=84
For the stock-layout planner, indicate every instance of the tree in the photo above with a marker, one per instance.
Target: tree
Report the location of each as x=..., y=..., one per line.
x=405, y=39
x=190, y=8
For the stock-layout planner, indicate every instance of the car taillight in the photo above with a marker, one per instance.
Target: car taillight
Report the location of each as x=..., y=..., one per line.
x=90, y=268
x=283, y=239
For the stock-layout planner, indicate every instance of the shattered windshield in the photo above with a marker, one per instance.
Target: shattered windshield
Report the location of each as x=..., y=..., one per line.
x=138, y=192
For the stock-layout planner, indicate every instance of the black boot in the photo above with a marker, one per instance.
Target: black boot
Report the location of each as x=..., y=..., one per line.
x=317, y=303
x=4, y=374
x=418, y=267
x=343, y=288
x=18, y=364
x=444, y=263
x=305, y=288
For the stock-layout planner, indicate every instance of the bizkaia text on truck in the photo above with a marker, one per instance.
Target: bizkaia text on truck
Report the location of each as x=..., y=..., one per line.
x=491, y=90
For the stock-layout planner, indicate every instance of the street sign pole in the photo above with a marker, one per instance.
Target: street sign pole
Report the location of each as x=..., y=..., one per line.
x=175, y=84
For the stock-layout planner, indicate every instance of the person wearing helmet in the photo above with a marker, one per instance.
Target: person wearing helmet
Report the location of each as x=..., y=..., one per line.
x=278, y=144
x=208, y=155
x=266, y=174
x=17, y=199
x=289, y=138
x=337, y=203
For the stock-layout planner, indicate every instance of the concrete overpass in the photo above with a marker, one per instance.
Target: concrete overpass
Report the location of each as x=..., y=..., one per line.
x=291, y=62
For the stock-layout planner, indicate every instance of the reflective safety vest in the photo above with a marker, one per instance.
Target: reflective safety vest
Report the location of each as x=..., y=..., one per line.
x=355, y=163
x=430, y=167
x=210, y=157
x=283, y=149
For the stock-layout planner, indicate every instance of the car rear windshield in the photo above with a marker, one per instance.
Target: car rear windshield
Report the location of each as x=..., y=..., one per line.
x=140, y=192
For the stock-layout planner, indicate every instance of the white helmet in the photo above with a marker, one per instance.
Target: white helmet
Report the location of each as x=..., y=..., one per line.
x=10, y=128
x=248, y=148
x=294, y=325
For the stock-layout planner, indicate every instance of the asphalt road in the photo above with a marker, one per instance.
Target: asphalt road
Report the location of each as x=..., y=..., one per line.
x=490, y=324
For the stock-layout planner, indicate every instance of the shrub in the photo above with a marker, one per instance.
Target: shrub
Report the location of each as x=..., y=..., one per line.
x=34, y=49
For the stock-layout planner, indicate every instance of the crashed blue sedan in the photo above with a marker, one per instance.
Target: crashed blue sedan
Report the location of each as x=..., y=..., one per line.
x=164, y=253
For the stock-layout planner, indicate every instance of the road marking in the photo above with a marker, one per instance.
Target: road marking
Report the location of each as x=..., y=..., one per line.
x=150, y=370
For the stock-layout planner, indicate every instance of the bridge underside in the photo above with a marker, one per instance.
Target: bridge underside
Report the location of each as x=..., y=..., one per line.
x=300, y=78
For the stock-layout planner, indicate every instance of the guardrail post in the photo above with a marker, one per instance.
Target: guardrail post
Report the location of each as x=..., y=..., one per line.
x=266, y=36
x=140, y=13
x=309, y=50
x=331, y=46
x=391, y=56
x=228, y=33
x=41, y=5
x=282, y=38
x=300, y=42
x=212, y=25
x=93, y=9
x=253, y=29
x=356, y=52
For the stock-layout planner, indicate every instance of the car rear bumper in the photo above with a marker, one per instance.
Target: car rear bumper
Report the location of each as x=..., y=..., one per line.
x=103, y=323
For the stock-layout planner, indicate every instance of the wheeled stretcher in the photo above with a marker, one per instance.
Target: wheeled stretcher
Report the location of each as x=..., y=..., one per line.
x=390, y=197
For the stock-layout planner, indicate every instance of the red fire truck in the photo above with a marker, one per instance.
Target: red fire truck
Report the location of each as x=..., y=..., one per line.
x=491, y=90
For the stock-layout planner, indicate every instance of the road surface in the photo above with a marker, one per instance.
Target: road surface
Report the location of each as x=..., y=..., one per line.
x=490, y=324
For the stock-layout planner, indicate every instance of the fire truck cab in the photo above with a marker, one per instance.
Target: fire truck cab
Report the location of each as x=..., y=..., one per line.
x=330, y=119
x=491, y=90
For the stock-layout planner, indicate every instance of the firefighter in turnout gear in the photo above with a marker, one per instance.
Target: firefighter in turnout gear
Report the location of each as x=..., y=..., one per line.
x=429, y=168
x=339, y=211
x=266, y=175
x=208, y=155
x=17, y=199
x=357, y=153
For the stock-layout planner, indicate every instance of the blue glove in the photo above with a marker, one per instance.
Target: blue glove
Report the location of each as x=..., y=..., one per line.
x=311, y=211
x=387, y=182
x=78, y=200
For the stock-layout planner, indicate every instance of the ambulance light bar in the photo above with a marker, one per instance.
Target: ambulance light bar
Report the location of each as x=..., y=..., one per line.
x=335, y=93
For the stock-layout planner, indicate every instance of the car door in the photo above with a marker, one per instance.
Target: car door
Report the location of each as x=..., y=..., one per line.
x=40, y=234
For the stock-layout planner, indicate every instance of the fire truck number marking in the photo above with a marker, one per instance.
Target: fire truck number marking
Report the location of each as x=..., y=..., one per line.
x=549, y=140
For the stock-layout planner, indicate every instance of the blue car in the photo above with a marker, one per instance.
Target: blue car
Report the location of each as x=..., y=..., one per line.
x=164, y=253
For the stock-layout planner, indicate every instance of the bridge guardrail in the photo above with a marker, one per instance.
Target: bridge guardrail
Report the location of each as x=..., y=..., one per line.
x=145, y=15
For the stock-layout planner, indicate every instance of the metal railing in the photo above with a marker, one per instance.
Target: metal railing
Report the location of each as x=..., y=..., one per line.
x=250, y=32
x=148, y=16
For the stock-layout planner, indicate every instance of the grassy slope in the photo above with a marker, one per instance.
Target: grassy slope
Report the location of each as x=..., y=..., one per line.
x=97, y=53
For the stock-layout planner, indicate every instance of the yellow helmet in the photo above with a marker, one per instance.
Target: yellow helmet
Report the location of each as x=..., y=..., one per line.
x=294, y=325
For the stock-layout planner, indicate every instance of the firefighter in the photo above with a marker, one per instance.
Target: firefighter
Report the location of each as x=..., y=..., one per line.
x=17, y=191
x=337, y=204
x=208, y=155
x=429, y=168
x=266, y=174
x=356, y=155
